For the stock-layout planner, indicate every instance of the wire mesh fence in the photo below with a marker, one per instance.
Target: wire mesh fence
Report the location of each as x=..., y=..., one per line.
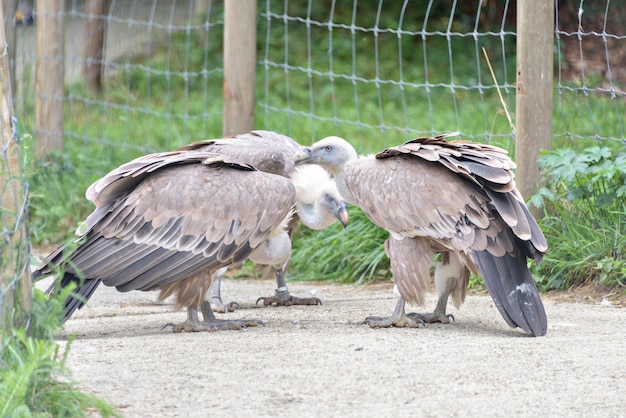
x=590, y=45
x=390, y=70
x=15, y=285
x=377, y=73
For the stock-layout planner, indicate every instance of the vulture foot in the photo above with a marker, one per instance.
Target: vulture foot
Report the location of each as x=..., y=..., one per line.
x=214, y=325
x=218, y=306
x=431, y=318
x=285, y=299
x=400, y=321
x=397, y=319
x=210, y=323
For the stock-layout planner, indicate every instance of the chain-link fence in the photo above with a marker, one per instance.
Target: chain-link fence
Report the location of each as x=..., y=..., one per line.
x=142, y=76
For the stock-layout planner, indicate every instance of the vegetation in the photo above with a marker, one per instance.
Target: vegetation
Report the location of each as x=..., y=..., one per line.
x=585, y=218
x=34, y=379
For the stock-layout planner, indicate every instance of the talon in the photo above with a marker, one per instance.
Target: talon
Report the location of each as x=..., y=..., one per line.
x=233, y=306
x=169, y=324
x=218, y=306
x=431, y=318
x=285, y=299
x=402, y=321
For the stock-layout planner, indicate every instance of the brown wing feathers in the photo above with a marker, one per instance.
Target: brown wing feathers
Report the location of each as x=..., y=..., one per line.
x=487, y=166
x=497, y=243
x=172, y=217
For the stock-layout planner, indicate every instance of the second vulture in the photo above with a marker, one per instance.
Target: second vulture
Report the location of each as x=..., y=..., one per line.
x=318, y=203
x=456, y=198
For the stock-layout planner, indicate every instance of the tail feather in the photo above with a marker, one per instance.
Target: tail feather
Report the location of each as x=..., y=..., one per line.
x=79, y=296
x=513, y=291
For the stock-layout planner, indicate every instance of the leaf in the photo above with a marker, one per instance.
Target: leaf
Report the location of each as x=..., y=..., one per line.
x=597, y=153
x=565, y=164
x=575, y=193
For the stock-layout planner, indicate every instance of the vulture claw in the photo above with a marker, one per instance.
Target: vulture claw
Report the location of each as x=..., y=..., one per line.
x=214, y=325
x=218, y=306
x=431, y=318
x=393, y=321
x=210, y=322
x=398, y=318
x=285, y=299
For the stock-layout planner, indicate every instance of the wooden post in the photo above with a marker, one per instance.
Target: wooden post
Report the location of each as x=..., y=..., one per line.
x=239, y=66
x=8, y=8
x=14, y=248
x=533, y=108
x=49, y=81
x=94, y=44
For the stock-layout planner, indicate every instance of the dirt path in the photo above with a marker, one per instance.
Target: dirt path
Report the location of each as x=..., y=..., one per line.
x=319, y=361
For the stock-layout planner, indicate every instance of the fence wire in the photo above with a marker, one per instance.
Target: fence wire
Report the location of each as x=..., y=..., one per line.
x=391, y=70
x=590, y=41
x=15, y=282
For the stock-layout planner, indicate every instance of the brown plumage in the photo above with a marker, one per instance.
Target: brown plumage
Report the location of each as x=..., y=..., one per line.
x=168, y=221
x=457, y=198
x=266, y=151
x=318, y=203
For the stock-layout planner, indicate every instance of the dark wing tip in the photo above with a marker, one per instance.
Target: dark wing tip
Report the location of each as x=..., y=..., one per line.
x=513, y=291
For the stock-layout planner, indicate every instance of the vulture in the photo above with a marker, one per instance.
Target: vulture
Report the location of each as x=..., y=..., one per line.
x=167, y=222
x=172, y=221
x=456, y=198
x=318, y=204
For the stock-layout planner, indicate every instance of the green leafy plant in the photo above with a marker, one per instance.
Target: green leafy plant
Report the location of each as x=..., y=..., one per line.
x=34, y=379
x=585, y=217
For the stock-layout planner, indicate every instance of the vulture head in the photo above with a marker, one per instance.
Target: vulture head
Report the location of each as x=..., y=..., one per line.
x=331, y=153
x=318, y=202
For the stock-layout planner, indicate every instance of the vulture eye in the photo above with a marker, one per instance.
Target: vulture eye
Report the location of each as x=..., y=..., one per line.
x=329, y=148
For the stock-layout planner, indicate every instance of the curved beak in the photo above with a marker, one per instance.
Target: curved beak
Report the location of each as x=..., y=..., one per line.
x=342, y=213
x=303, y=156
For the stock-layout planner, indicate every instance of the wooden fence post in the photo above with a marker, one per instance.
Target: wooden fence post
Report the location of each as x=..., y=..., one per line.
x=14, y=247
x=8, y=8
x=239, y=66
x=95, y=32
x=533, y=108
x=49, y=77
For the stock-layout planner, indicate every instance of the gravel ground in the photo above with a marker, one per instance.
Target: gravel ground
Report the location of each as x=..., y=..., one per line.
x=320, y=361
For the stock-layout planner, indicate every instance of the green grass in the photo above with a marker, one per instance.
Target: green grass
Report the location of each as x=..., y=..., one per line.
x=332, y=254
x=585, y=218
x=34, y=378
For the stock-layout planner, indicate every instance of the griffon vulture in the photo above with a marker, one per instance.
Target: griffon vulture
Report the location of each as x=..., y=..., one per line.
x=456, y=198
x=317, y=203
x=167, y=222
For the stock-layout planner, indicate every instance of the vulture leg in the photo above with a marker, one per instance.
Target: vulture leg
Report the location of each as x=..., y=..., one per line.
x=210, y=323
x=282, y=297
x=451, y=278
x=215, y=294
x=397, y=319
